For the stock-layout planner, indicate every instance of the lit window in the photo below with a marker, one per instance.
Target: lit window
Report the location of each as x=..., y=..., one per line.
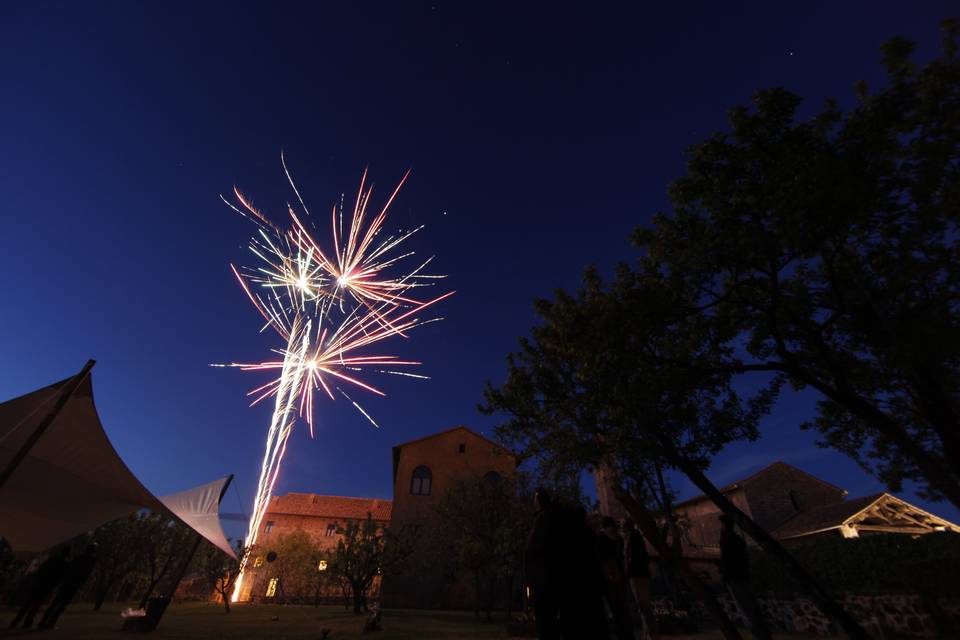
x=421, y=481
x=331, y=530
x=269, y=526
x=272, y=587
x=258, y=561
x=322, y=566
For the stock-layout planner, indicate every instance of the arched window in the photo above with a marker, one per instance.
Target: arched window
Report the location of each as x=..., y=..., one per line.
x=492, y=479
x=421, y=481
x=491, y=484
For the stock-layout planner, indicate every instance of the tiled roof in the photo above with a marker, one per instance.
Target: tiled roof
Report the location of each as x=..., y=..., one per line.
x=755, y=476
x=826, y=517
x=311, y=504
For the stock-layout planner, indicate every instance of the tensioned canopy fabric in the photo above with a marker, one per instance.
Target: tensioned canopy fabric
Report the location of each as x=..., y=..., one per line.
x=198, y=508
x=72, y=480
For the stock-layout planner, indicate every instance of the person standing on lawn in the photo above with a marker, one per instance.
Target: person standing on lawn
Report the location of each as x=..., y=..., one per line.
x=610, y=552
x=46, y=579
x=735, y=569
x=541, y=566
x=638, y=573
x=581, y=604
x=74, y=577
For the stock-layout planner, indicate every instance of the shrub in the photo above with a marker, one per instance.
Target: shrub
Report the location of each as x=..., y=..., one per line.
x=873, y=564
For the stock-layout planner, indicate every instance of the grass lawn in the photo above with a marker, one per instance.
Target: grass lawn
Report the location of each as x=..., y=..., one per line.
x=255, y=622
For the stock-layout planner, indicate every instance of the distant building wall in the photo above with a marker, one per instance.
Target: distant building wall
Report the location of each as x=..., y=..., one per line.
x=782, y=492
x=446, y=458
x=449, y=456
x=316, y=515
x=700, y=519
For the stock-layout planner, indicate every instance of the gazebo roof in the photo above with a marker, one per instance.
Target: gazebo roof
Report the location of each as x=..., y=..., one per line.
x=882, y=513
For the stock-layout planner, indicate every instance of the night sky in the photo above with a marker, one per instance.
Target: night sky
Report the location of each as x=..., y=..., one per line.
x=538, y=136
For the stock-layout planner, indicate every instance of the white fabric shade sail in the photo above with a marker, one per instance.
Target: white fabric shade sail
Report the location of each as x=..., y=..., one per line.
x=198, y=508
x=60, y=476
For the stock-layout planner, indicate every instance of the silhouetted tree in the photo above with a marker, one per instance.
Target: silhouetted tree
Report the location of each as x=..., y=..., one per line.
x=485, y=521
x=828, y=249
x=366, y=549
x=121, y=544
x=164, y=542
x=624, y=376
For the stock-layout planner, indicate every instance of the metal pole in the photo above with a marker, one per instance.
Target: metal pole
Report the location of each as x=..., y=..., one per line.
x=68, y=390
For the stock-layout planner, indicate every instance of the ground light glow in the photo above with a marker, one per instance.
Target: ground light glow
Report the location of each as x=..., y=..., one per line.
x=328, y=308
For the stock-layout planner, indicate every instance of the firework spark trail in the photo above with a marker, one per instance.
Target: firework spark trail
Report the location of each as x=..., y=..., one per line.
x=298, y=290
x=282, y=421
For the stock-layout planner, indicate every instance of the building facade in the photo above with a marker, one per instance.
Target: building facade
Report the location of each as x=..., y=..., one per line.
x=795, y=507
x=423, y=471
x=319, y=517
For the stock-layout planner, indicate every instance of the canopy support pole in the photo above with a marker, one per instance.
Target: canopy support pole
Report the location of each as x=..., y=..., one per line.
x=68, y=390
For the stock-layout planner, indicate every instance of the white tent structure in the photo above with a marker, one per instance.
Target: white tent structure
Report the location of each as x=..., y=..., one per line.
x=60, y=476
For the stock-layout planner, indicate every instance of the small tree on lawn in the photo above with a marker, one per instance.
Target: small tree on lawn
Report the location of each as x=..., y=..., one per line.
x=296, y=565
x=219, y=570
x=486, y=521
x=121, y=544
x=366, y=549
x=164, y=541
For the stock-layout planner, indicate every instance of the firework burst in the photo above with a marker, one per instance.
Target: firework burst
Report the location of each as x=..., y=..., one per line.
x=328, y=307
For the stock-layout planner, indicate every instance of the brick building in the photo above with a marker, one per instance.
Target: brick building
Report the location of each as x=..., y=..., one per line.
x=319, y=516
x=423, y=470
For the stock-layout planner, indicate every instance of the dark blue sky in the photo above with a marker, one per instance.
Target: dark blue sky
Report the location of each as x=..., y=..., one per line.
x=545, y=131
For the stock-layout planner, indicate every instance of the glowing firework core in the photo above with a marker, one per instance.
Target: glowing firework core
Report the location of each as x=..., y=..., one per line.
x=323, y=327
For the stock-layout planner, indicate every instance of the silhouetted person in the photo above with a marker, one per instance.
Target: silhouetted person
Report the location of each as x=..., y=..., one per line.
x=610, y=552
x=735, y=569
x=6, y=554
x=581, y=602
x=638, y=573
x=675, y=543
x=74, y=577
x=540, y=566
x=28, y=578
x=47, y=577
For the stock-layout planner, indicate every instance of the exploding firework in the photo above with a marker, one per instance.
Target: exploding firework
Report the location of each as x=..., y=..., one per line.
x=328, y=307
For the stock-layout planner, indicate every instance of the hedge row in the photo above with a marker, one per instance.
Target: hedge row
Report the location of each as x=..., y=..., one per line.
x=873, y=564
